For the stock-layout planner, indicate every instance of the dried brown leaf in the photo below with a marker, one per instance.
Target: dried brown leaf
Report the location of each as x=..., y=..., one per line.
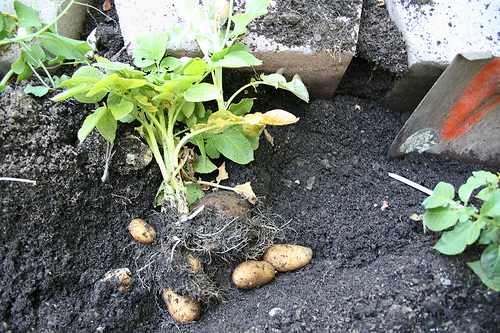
x=246, y=191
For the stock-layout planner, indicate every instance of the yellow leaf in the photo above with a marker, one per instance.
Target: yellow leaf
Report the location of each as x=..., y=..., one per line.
x=278, y=117
x=246, y=191
x=222, y=173
x=253, y=130
x=254, y=118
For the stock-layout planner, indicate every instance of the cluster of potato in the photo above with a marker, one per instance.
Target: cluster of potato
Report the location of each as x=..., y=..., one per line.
x=247, y=275
x=282, y=258
x=181, y=308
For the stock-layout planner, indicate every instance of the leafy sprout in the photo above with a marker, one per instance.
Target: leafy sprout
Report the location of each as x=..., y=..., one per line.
x=469, y=223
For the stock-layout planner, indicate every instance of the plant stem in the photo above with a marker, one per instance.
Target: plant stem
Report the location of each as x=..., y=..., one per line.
x=251, y=84
x=213, y=185
x=6, y=78
x=183, y=141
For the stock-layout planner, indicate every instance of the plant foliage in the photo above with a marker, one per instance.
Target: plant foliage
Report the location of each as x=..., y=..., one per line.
x=166, y=96
x=468, y=222
x=42, y=48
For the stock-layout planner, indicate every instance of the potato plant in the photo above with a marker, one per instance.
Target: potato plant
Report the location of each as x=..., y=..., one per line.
x=42, y=48
x=468, y=222
x=166, y=96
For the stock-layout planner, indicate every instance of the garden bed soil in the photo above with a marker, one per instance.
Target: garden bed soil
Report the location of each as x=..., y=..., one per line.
x=325, y=181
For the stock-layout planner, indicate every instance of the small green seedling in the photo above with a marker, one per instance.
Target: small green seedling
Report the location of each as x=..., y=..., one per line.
x=42, y=48
x=468, y=222
x=167, y=95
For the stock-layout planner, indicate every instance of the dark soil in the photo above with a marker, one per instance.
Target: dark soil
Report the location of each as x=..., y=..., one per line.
x=325, y=180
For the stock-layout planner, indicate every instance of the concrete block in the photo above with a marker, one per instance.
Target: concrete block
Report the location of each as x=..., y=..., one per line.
x=321, y=66
x=435, y=32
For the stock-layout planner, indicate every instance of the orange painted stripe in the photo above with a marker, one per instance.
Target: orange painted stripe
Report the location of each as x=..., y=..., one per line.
x=482, y=93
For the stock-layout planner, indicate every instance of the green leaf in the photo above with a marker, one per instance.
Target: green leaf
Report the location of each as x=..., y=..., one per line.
x=490, y=260
x=90, y=74
x=490, y=235
x=254, y=141
x=442, y=195
x=122, y=109
x=123, y=84
x=143, y=58
x=491, y=207
x=170, y=63
x=487, y=176
x=493, y=283
x=37, y=53
x=70, y=92
x=202, y=92
x=156, y=43
x=90, y=122
x=193, y=193
x=243, y=107
x=102, y=85
x=296, y=86
x=30, y=59
x=455, y=241
x=234, y=145
x=27, y=16
x=10, y=26
x=117, y=67
x=466, y=189
x=203, y=165
x=37, y=90
x=210, y=148
x=195, y=67
x=188, y=109
x=434, y=201
x=199, y=110
x=440, y=218
x=19, y=66
x=273, y=79
x=107, y=125
x=238, y=59
x=253, y=9
x=66, y=47
x=486, y=193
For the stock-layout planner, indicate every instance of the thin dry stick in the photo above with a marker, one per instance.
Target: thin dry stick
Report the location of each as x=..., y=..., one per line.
x=10, y=179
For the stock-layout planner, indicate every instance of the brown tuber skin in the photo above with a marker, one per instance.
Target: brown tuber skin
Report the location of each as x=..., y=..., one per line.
x=286, y=257
x=225, y=203
x=252, y=274
x=181, y=308
x=142, y=231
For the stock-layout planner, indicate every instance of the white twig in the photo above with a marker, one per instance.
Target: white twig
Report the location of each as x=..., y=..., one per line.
x=193, y=214
x=109, y=156
x=411, y=183
x=10, y=179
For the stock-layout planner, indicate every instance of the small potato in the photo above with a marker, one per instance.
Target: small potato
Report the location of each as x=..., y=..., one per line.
x=142, y=231
x=286, y=257
x=252, y=274
x=121, y=276
x=181, y=308
x=195, y=263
